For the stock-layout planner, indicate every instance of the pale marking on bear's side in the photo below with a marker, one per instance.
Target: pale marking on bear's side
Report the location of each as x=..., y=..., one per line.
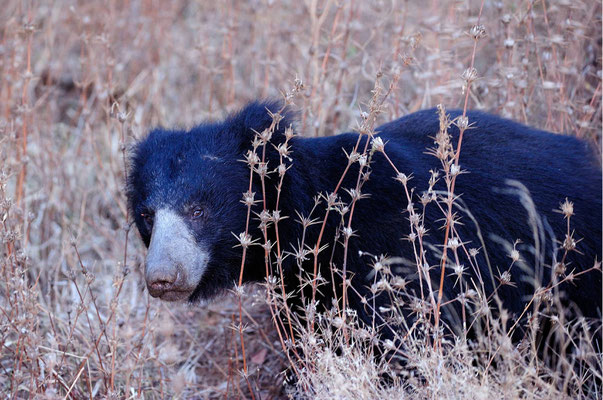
x=172, y=245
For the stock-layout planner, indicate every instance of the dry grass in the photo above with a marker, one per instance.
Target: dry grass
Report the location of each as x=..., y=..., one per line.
x=81, y=80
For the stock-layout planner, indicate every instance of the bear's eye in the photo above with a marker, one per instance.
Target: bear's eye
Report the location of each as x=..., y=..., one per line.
x=197, y=213
x=148, y=217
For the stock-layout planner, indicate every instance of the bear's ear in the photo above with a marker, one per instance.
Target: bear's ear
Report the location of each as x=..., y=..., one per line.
x=256, y=117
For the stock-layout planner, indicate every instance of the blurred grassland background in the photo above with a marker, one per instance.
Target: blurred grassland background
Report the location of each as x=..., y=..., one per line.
x=81, y=80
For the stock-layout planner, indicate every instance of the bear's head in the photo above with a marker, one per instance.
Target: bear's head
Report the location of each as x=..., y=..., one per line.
x=185, y=191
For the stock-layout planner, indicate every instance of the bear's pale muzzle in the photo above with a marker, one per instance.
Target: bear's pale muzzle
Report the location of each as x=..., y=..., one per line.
x=174, y=263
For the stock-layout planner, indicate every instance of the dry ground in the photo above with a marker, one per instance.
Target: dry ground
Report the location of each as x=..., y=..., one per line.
x=83, y=79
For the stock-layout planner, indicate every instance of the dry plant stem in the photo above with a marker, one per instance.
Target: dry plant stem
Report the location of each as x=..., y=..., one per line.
x=344, y=46
x=325, y=59
x=246, y=229
x=228, y=52
x=589, y=116
x=368, y=127
x=419, y=259
x=121, y=119
x=236, y=359
x=107, y=321
x=272, y=297
x=316, y=23
x=279, y=255
x=549, y=287
x=317, y=247
x=81, y=297
x=348, y=235
x=265, y=231
x=451, y=191
x=114, y=300
x=29, y=29
x=555, y=71
x=280, y=330
x=346, y=246
x=229, y=380
x=239, y=294
x=140, y=347
x=230, y=339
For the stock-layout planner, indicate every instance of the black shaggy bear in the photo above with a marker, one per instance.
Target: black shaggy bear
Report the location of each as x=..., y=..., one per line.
x=185, y=191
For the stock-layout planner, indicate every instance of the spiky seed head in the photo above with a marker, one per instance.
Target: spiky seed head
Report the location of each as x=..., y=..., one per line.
x=245, y=239
x=455, y=169
x=478, y=31
x=453, y=243
x=282, y=169
x=402, y=178
x=505, y=278
x=567, y=208
x=559, y=268
x=509, y=43
x=252, y=158
x=462, y=122
x=459, y=270
x=362, y=160
x=378, y=145
x=248, y=198
x=469, y=75
x=569, y=243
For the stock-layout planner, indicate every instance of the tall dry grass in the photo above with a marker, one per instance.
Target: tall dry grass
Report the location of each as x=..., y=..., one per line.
x=82, y=80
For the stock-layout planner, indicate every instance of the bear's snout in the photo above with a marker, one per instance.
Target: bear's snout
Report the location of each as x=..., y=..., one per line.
x=175, y=263
x=161, y=279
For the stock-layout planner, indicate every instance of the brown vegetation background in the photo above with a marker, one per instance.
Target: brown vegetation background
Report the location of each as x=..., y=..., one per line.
x=80, y=80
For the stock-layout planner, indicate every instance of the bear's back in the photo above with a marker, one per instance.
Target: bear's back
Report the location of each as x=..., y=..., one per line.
x=503, y=161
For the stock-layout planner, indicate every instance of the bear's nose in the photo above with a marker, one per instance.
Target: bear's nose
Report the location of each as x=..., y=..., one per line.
x=161, y=280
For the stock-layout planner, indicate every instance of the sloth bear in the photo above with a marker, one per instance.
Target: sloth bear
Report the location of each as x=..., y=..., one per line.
x=185, y=191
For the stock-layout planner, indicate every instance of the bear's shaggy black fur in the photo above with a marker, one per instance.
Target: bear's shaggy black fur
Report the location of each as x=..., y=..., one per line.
x=203, y=167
